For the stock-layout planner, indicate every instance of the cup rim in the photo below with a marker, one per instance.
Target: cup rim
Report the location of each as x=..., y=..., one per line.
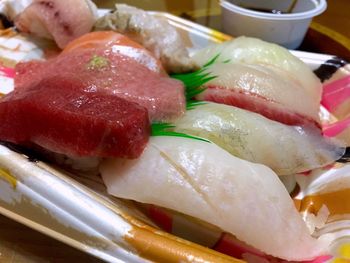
x=320, y=7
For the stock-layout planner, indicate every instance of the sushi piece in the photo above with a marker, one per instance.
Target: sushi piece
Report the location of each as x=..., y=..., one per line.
x=114, y=73
x=262, y=89
x=62, y=21
x=250, y=136
x=204, y=181
x=65, y=116
x=249, y=50
x=155, y=34
x=117, y=43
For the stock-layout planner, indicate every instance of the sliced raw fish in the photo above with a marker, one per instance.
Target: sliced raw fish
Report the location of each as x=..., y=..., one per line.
x=263, y=89
x=255, y=51
x=60, y=20
x=66, y=116
x=250, y=136
x=154, y=33
x=204, y=181
x=113, y=73
x=117, y=43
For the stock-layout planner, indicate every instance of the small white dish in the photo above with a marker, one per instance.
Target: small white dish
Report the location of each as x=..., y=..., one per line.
x=239, y=17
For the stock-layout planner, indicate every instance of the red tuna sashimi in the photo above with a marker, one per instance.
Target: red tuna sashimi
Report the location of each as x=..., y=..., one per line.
x=63, y=116
x=61, y=20
x=115, y=74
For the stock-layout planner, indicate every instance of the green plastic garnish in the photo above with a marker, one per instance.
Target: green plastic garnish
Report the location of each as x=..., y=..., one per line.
x=164, y=129
x=191, y=104
x=194, y=81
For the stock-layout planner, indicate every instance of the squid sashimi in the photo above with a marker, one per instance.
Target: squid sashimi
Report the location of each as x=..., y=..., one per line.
x=254, y=51
x=250, y=136
x=263, y=89
x=64, y=116
x=60, y=20
x=202, y=180
x=105, y=67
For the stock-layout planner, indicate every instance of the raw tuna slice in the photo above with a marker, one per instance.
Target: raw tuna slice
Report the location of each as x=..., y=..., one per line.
x=60, y=20
x=65, y=116
x=113, y=73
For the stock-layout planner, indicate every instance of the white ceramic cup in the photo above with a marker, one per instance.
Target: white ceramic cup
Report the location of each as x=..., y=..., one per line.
x=287, y=30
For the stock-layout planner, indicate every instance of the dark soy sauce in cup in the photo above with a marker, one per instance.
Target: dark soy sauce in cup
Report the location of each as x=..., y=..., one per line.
x=273, y=11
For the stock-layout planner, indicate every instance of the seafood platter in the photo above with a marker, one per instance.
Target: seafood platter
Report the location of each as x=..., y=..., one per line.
x=138, y=136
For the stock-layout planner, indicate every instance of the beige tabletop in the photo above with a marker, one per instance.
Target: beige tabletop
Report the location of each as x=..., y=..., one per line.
x=329, y=33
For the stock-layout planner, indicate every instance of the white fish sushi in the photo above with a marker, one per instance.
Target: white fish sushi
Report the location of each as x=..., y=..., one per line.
x=250, y=136
x=263, y=89
x=62, y=21
x=204, y=181
x=154, y=33
x=254, y=51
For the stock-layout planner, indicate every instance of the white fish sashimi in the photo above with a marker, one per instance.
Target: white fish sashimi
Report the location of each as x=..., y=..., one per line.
x=263, y=89
x=202, y=180
x=250, y=136
x=62, y=21
x=254, y=51
x=154, y=33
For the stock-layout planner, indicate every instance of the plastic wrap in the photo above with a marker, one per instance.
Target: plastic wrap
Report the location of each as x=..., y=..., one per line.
x=88, y=219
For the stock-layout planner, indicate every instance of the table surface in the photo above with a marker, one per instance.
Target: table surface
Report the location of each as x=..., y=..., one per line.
x=329, y=33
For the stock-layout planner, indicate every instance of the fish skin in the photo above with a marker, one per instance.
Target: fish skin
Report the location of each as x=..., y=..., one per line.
x=263, y=89
x=270, y=109
x=64, y=116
